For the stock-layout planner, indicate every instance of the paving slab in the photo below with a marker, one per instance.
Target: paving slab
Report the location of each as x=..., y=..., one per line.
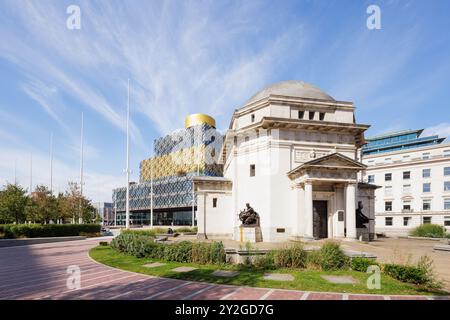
x=364, y=297
x=340, y=279
x=278, y=276
x=285, y=295
x=184, y=269
x=154, y=264
x=225, y=273
x=324, y=296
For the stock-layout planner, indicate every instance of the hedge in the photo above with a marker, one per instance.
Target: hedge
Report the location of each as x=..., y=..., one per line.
x=429, y=230
x=404, y=273
x=12, y=231
x=361, y=264
x=143, y=246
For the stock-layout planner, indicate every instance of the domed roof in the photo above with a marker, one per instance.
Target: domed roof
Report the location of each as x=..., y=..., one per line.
x=292, y=88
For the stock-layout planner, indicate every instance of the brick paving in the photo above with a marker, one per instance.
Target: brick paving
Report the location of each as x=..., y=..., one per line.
x=41, y=272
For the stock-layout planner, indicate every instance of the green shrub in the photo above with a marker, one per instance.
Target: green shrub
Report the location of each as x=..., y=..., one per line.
x=429, y=230
x=421, y=274
x=332, y=257
x=178, y=252
x=362, y=264
x=313, y=260
x=12, y=231
x=264, y=261
x=141, y=246
x=186, y=229
x=217, y=250
x=282, y=258
x=298, y=256
x=410, y=274
x=147, y=232
x=293, y=257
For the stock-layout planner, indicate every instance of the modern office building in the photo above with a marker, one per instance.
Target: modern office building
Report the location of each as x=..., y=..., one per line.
x=105, y=211
x=414, y=174
x=178, y=157
x=291, y=152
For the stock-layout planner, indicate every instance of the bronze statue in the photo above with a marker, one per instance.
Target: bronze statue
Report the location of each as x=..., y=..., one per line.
x=361, y=218
x=249, y=217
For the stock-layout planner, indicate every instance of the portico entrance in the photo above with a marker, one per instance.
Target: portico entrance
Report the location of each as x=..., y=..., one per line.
x=320, y=219
x=326, y=197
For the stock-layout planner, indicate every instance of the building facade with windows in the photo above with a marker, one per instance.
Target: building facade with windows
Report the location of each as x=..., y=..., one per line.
x=291, y=153
x=105, y=211
x=414, y=175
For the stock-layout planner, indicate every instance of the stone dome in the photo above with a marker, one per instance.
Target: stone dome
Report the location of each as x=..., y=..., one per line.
x=292, y=88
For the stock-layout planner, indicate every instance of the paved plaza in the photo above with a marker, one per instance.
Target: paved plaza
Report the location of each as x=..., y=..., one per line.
x=41, y=272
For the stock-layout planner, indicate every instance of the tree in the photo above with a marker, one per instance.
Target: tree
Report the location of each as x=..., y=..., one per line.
x=45, y=205
x=13, y=201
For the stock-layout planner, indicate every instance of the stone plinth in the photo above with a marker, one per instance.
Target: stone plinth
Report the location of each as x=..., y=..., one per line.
x=248, y=234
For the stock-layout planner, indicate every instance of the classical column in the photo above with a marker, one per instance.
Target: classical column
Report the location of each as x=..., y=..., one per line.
x=299, y=221
x=350, y=211
x=201, y=215
x=308, y=215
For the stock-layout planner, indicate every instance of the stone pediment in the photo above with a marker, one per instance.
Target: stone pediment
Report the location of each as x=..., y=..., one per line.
x=331, y=161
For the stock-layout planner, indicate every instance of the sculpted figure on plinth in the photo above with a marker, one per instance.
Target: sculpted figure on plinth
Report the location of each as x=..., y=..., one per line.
x=249, y=217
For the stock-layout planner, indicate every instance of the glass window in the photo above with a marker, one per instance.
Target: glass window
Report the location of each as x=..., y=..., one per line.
x=407, y=205
x=247, y=139
x=252, y=170
x=446, y=153
x=388, y=206
x=426, y=205
x=388, y=191
x=447, y=171
x=388, y=221
x=387, y=160
x=426, y=173
x=388, y=177
x=406, y=175
x=301, y=114
x=406, y=158
x=406, y=188
x=447, y=221
x=371, y=178
x=426, y=220
x=446, y=204
x=406, y=221
x=311, y=115
x=425, y=155
x=426, y=187
x=322, y=116
x=253, y=118
x=447, y=186
x=214, y=202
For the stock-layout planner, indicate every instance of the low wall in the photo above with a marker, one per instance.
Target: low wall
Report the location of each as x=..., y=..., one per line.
x=29, y=241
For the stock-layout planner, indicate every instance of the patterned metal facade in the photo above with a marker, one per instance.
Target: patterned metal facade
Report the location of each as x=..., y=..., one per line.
x=178, y=157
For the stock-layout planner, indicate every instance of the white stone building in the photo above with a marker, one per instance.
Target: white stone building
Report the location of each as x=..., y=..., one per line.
x=291, y=153
x=414, y=175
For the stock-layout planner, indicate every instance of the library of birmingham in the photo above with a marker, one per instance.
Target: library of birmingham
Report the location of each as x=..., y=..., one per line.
x=298, y=158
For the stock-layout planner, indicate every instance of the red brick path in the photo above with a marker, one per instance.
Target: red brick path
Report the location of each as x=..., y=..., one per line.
x=40, y=272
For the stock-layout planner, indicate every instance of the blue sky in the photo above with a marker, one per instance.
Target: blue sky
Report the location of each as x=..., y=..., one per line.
x=201, y=56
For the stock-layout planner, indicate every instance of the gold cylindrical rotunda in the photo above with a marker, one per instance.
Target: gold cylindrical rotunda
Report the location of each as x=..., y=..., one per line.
x=199, y=118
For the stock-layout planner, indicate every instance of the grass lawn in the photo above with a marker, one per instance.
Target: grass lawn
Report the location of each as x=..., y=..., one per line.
x=306, y=280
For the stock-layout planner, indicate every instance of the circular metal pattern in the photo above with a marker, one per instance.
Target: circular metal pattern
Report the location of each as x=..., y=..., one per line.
x=199, y=118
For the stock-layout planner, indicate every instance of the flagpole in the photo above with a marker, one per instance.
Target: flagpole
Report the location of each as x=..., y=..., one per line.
x=127, y=204
x=51, y=163
x=151, y=192
x=80, y=220
x=31, y=173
